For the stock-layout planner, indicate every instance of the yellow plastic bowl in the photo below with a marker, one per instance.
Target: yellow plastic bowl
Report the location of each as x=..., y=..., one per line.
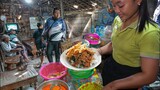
x=90, y=86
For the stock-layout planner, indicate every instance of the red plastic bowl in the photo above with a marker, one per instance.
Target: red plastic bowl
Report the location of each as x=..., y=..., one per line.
x=52, y=68
x=92, y=38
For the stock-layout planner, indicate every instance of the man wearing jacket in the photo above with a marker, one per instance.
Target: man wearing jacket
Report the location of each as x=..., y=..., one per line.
x=55, y=29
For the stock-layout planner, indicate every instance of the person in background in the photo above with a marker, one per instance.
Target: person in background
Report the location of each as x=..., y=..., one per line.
x=134, y=47
x=55, y=29
x=106, y=15
x=37, y=35
x=11, y=49
x=13, y=38
x=156, y=15
x=105, y=19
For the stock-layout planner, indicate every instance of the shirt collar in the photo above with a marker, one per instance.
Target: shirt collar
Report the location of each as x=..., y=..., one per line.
x=133, y=25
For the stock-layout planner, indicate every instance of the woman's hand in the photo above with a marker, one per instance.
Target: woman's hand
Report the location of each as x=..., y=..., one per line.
x=99, y=51
x=107, y=49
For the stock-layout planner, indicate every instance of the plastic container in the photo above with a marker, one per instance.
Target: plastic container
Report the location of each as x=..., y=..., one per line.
x=90, y=86
x=81, y=74
x=53, y=69
x=93, y=38
x=108, y=32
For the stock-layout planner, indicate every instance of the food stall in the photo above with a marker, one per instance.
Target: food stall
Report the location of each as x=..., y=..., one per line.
x=77, y=74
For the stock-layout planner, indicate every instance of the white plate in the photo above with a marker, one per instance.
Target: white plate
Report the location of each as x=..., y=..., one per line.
x=97, y=60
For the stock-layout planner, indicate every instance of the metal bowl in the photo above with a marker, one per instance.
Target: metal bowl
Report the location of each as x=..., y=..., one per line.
x=53, y=83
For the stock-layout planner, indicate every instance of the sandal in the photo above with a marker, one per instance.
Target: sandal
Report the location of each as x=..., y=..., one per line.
x=26, y=60
x=22, y=67
x=25, y=64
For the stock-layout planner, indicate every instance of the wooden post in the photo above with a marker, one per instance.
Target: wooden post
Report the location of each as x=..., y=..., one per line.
x=62, y=10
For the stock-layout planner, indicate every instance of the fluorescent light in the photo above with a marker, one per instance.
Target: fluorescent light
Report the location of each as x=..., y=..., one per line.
x=89, y=12
x=28, y=1
x=75, y=6
x=45, y=21
x=94, y=4
x=19, y=17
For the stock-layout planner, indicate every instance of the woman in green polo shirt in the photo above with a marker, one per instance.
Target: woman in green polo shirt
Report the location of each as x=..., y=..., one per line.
x=135, y=47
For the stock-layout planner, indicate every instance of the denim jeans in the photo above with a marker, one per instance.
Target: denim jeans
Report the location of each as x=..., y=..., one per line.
x=53, y=46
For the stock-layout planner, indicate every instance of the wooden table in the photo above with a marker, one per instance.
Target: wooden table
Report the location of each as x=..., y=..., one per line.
x=14, y=79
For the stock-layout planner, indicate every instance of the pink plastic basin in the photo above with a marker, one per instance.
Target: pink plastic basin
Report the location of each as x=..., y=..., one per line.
x=92, y=38
x=52, y=68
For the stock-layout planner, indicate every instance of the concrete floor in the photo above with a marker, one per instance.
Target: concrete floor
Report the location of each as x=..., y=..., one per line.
x=34, y=62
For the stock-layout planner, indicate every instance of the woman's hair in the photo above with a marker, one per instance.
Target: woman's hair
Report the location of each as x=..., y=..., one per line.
x=144, y=15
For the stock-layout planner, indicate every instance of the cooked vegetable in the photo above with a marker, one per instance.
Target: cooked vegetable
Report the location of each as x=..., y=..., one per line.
x=80, y=56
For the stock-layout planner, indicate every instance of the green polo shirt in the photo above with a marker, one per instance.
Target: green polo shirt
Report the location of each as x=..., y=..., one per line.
x=129, y=45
